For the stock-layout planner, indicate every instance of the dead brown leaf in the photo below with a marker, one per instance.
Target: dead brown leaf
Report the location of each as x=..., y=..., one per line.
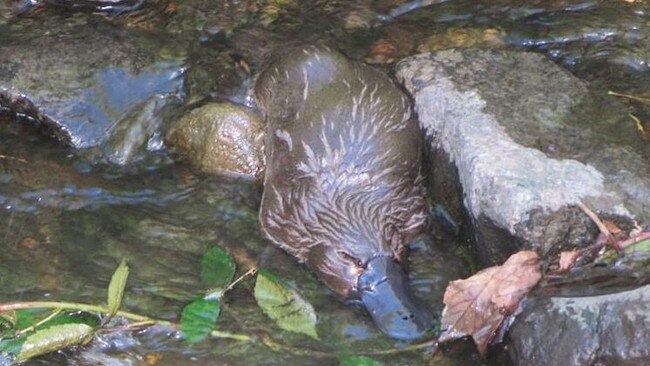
x=612, y=227
x=568, y=259
x=171, y=8
x=381, y=52
x=478, y=305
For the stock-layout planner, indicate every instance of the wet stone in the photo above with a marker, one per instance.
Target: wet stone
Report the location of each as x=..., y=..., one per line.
x=209, y=18
x=612, y=329
x=220, y=137
x=83, y=82
x=464, y=38
x=528, y=141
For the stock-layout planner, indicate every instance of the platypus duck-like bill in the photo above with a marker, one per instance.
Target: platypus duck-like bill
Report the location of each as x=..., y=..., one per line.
x=387, y=295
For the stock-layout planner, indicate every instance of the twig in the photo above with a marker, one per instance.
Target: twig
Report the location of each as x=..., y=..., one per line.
x=78, y=306
x=218, y=293
x=14, y=158
x=603, y=229
x=250, y=272
x=239, y=337
x=41, y=322
x=631, y=241
x=140, y=320
x=129, y=326
x=392, y=351
x=278, y=347
x=272, y=344
x=630, y=96
x=638, y=124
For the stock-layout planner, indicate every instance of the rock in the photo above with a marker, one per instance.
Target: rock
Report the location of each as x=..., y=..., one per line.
x=83, y=82
x=220, y=137
x=360, y=18
x=527, y=142
x=608, y=329
x=209, y=18
x=464, y=38
x=138, y=133
x=10, y=8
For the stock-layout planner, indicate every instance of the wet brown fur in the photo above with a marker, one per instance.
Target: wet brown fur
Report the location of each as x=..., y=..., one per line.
x=343, y=179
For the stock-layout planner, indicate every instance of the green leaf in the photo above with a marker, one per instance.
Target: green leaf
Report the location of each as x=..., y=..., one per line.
x=7, y=322
x=88, y=319
x=358, y=361
x=198, y=319
x=28, y=317
x=116, y=288
x=284, y=305
x=53, y=339
x=642, y=246
x=12, y=345
x=217, y=268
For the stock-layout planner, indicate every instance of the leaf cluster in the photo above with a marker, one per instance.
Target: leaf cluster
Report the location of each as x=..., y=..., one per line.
x=31, y=329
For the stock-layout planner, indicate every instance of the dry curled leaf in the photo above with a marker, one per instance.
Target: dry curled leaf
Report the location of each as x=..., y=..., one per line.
x=568, y=259
x=616, y=231
x=479, y=305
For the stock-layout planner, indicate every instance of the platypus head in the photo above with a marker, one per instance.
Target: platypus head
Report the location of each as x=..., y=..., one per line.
x=382, y=285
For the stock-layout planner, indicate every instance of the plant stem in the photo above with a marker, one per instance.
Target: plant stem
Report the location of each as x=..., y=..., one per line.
x=630, y=96
x=279, y=347
x=78, y=306
x=645, y=235
x=391, y=351
x=240, y=337
x=141, y=320
x=41, y=322
x=250, y=272
x=603, y=229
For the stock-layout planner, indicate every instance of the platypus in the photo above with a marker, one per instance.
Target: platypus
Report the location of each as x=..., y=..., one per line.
x=343, y=187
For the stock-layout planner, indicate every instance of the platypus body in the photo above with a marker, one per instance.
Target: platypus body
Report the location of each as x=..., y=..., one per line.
x=343, y=188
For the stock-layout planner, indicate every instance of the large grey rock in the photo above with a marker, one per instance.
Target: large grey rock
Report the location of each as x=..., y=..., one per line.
x=527, y=141
x=610, y=329
x=86, y=81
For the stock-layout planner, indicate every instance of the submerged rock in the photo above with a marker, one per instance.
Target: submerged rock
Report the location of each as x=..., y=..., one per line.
x=220, y=137
x=528, y=142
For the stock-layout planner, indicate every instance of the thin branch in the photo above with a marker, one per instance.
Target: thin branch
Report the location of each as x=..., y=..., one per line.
x=239, y=337
x=392, y=351
x=218, y=293
x=603, y=229
x=41, y=322
x=80, y=307
x=250, y=272
x=14, y=158
x=630, y=96
x=631, y=241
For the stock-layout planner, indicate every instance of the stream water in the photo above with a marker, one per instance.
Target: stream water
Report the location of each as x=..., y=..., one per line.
x=67, y=219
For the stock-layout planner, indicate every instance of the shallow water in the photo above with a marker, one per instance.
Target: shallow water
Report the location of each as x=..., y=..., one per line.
x=67, y=220
x=66, y=225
